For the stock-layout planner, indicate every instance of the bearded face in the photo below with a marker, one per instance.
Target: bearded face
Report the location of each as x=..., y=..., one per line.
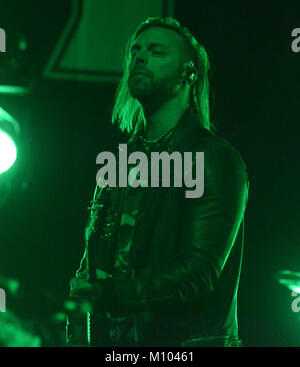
x=156, y=68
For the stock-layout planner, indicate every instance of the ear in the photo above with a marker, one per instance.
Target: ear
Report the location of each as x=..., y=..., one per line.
x=190, y=74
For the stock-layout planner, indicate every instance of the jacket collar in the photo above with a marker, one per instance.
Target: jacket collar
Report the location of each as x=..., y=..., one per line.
x=184, y=126
x=184, y=130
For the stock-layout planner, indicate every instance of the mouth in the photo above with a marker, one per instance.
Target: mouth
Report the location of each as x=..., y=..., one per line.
x=138, y=73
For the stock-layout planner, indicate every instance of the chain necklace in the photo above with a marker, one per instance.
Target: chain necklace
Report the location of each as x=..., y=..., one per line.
x=154, y=141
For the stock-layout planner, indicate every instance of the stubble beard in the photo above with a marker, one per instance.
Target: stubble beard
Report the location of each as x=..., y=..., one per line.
x=149, y=92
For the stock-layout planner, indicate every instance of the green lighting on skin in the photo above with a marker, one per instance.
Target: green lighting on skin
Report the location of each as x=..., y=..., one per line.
x=8, y=152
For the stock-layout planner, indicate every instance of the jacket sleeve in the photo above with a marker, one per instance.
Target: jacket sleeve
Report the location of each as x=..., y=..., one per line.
x=210, y=226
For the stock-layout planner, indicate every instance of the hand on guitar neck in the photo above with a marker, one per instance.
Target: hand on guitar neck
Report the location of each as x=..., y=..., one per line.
x=85, y=292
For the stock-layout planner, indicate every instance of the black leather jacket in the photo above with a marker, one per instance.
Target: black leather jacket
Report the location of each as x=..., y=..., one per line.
x=186, y=254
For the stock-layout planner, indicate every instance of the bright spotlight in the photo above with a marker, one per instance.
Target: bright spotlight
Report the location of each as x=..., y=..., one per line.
x=8, y=152
x=9, y=131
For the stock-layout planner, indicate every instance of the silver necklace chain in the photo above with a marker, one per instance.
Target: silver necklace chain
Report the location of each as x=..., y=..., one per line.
x=159, y=138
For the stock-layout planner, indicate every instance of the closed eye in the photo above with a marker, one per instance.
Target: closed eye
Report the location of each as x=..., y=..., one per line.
x=157, y=53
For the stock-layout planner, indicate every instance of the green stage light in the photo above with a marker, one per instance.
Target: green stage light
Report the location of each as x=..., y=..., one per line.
x=8, y=152
x=289, y=279
x=9, y=135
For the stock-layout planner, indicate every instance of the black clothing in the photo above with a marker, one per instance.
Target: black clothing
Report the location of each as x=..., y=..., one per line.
x=181, y=269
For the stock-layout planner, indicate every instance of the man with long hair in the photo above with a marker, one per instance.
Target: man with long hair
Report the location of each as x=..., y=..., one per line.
x=160, y=269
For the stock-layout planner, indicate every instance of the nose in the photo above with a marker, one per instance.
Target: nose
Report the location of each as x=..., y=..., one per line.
x=137, y=60
x=140, y=60
x=140, y=57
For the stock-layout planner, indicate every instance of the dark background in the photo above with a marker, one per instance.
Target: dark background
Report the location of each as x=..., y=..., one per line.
x=255, y=82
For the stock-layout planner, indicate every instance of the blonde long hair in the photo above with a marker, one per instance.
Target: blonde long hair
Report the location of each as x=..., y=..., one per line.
x=128, y=112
